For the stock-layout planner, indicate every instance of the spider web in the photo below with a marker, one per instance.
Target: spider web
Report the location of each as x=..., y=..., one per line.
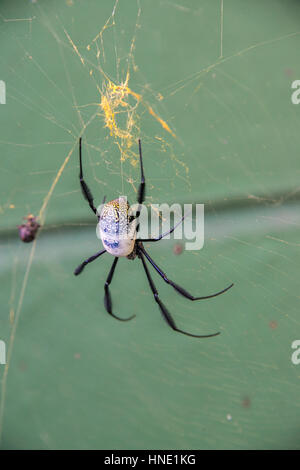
x=214, y=130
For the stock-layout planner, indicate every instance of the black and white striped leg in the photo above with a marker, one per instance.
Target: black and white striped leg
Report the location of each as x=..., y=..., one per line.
x=107, y=296
x=165, y=313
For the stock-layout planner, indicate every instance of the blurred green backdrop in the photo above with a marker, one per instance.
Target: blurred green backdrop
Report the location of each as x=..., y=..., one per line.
x=219, y=74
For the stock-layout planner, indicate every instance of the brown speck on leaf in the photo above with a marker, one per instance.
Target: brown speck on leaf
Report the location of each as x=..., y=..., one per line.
x=273, y=324
x=289, y=72
x=177, y=249
x=246, y=402
x=77, y=356
x=22, y=366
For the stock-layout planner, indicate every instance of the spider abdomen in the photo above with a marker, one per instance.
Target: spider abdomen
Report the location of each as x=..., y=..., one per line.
x=116, y=232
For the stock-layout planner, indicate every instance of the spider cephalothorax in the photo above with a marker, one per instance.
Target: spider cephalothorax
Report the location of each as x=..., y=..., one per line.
x=118, y=232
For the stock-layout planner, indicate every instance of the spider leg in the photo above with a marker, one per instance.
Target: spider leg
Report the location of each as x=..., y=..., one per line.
x=165, y=313
x=176, y=286
x=163, y=234
x=142, y=187
x=87, y=194
x=107, y=297
x=81, y=267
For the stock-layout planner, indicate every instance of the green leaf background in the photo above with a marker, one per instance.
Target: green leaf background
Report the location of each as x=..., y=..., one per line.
x=220, y=74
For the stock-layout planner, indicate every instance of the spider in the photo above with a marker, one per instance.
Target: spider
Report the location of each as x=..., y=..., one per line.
x=111, y=229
